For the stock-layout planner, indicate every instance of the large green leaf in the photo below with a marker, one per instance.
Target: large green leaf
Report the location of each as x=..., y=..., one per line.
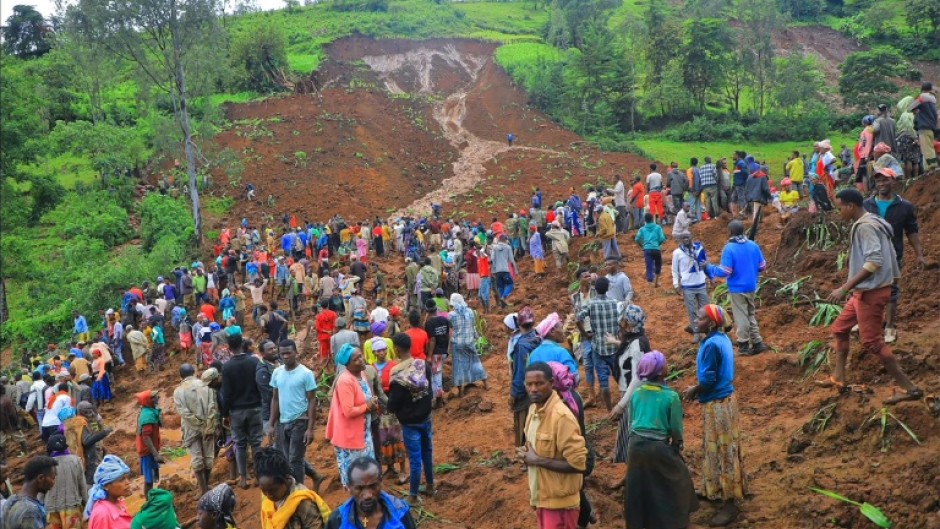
x=835, y=496
x=875, y=515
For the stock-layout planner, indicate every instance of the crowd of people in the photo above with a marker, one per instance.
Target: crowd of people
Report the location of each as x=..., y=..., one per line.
x=251, y=392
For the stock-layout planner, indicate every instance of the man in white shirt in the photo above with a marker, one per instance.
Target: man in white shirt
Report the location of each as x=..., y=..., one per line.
x=379, y=313
x=681, y=226
x=620, y=203
x=654, y=190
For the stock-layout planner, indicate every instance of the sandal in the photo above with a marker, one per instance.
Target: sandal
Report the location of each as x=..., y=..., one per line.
x=914, y=394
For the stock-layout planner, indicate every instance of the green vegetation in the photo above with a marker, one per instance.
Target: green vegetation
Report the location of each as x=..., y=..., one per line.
x=774, y=153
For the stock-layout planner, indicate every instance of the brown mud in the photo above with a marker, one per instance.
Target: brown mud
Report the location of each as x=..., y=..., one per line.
x=786, y=452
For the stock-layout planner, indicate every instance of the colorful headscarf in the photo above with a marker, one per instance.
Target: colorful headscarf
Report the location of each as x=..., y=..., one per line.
x=882, y=148
x=157, y=513
x=111, y=469
x=563, y=382
x=718, y=315
x=545, y=326
x=526, y=316
x=652, y=365
x=378, y=328
x=345, y=354
x=634, y=316
x=220, y=501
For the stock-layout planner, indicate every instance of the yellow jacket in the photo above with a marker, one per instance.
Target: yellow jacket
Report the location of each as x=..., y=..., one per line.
x=605, y=226
x=558, y=437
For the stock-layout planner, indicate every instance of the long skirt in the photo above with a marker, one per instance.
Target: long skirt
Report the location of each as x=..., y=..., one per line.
x=158, y=355
x=658, y=491
x=473, y=281
x=467, y=366
x=723, y=468
x=622, y=448
x=393, y=446
x=539, y=266
x=344, y=457
x=101, y=389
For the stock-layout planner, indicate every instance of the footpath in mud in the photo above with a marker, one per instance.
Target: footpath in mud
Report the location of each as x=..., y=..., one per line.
x=439, y=111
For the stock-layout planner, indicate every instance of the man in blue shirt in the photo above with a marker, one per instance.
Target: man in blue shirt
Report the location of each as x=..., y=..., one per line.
x=527, y=342
x=293, y=408
x=741, y=263
x=80, y=330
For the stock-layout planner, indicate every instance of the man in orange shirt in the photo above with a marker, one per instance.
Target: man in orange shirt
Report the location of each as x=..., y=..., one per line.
x=209, y=310
x=325, y=324
x=497, y=228
x=637, y=203
x=420, y=341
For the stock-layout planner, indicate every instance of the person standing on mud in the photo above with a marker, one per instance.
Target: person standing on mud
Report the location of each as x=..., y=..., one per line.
x=741, y=263
x=510, y=138
x=503, y=264
x=601, y=312
x=723, y=466
x=873, y=269
x=902, y=217
x=620, y=203
x=199, y=415
x=555, y=452
x=241, y=407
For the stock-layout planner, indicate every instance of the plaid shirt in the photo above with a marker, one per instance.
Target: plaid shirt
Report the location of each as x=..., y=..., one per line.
x=604, y=319
x=465, y=332
x=708, y=175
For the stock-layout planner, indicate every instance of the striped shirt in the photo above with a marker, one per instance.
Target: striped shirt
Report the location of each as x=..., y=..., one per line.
x=708, y=175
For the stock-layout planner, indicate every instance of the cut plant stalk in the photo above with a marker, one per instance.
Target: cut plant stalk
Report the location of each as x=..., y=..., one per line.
x=868, y=510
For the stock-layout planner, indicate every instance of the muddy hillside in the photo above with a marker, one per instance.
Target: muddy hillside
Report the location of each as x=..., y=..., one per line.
x=398, y=125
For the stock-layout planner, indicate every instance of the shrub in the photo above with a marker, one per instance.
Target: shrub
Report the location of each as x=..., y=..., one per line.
x=165, y=217
x=258, y=55
x=91, y=215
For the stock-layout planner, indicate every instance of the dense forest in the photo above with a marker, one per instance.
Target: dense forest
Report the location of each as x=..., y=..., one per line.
x=103, y=92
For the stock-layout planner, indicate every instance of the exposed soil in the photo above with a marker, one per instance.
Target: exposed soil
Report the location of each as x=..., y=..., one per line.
x=470, y=107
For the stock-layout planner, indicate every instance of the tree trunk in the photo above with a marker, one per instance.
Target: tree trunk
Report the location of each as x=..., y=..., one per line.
x=185, y=125
x=4, y=313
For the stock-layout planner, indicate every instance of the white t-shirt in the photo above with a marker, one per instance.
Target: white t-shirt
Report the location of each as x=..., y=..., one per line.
x=619, y=199
x=655, y=181
x=51, y=418
x=379, y=314
x=160, y=304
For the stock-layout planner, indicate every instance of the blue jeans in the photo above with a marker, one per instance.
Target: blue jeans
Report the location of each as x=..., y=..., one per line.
x=485, y=292
x=606, y=367
x=417, y=439
x=696, y=206
x=588, y=356
x=611, y=250
x=654, y=264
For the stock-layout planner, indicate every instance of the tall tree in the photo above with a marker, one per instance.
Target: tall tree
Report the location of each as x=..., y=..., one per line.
x=663, y=37
x=865, y=81
x=797, y=81
x=706, y=45
x=26, y=32
x=165, y=39
x=760, y=20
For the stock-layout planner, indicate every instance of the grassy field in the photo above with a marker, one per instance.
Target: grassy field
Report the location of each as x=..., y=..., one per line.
x=309, y=29
x=775, y=153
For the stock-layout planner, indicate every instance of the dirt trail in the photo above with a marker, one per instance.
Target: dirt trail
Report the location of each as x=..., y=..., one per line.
x=449, y=113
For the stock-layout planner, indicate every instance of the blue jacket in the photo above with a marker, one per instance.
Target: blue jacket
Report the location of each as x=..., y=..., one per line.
x=741, y=262
x=287, y=242
x=715, y=367
x=549, y=351
x=527, y=343
x=397, y=510
x=651, y=236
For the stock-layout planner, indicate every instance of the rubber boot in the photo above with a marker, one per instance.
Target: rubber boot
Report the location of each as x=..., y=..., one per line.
x=605, y=395
x=202, y=482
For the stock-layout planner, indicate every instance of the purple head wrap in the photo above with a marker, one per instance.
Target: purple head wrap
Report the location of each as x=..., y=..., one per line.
x=563, y=382
x=378, y=328
x=652, y=365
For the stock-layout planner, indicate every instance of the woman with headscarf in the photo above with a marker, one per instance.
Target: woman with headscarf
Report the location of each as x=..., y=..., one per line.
x=631, y=346
x=157, y=512
x=216, y=508
x=65, y=500
x=368, y=348
x=105, y=508
x=83, y=432
x=723, y=468
x=227, y=305
x=390, y=444
x=536, y=251
x=564, y=382
x=863, y=152
x=348, y=426
x=467, y=368
x=101, y=387
x=360, y=313
x=908, y=145
x=884, y=159
x=552, y=332
x=658, y=491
